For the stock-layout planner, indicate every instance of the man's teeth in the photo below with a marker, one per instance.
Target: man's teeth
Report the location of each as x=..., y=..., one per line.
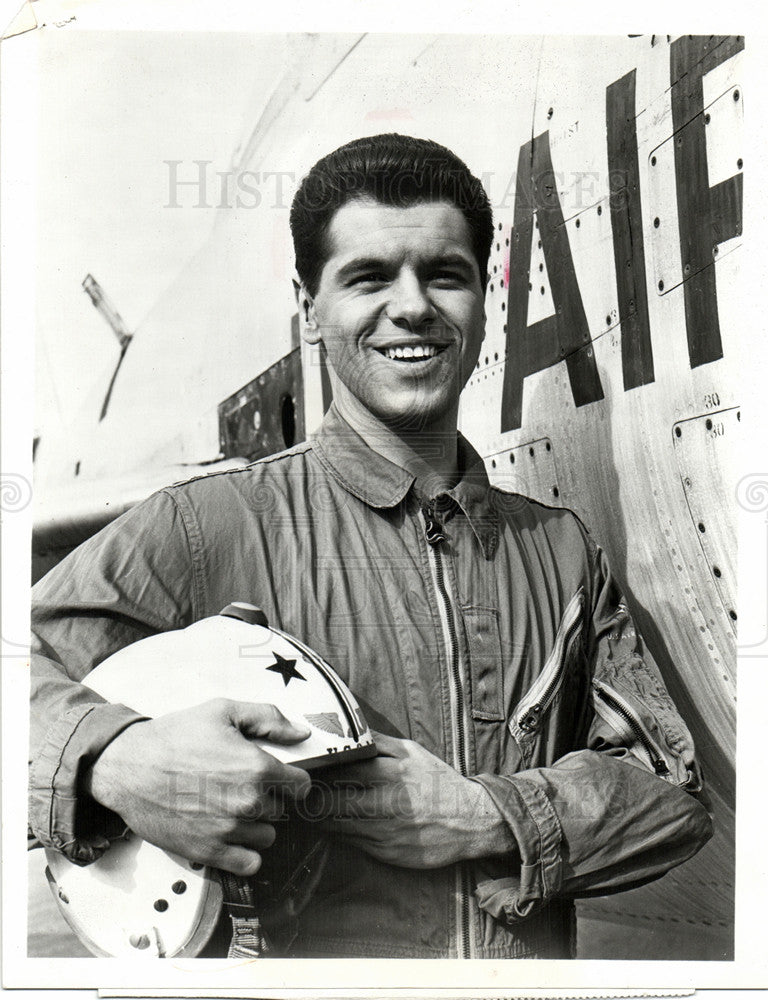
x=419, y=351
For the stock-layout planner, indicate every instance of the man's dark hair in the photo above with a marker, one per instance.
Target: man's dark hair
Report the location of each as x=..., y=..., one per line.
x=396, y=170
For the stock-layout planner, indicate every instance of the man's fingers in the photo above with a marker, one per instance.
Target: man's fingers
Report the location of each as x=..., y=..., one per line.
x=266, y=721
x=388, y=746
x=239, y=861
x=255, y=836
x=344, y=804
x=366, y=773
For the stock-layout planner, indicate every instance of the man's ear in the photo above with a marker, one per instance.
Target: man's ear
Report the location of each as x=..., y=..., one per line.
x=308, y=325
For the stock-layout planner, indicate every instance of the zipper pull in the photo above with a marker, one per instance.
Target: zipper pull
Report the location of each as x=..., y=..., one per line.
x=529, y=722
x=433, y=529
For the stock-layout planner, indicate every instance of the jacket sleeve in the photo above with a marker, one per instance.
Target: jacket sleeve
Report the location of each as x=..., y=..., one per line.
x=618, y=812
x=131, y=580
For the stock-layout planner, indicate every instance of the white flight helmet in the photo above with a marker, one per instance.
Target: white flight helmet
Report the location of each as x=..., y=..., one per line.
x=139, y=900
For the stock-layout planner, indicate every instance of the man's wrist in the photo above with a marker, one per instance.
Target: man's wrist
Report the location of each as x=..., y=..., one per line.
x=490, y=834
x=101, y=781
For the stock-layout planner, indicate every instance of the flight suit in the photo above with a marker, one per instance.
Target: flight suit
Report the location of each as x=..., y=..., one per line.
x=481, y=624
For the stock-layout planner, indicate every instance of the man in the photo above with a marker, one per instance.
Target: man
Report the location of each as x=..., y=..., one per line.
x=528, y=750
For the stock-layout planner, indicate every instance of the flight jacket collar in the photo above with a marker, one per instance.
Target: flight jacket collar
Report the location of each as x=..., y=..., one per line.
x=380, y=483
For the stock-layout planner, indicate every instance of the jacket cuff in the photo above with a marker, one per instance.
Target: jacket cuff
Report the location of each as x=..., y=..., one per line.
x=536, y=828
x=60, y=816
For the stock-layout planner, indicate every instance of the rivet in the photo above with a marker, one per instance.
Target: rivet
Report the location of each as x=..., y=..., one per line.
x=656, y=222
x=548, y=446
x=661, y=286
x=511, y=458
x=550, y=112
x=739, y=163
x=687, y=269
x=139, y=941
x=717, y=571
x=493, y=463
x=531, y=452
x=702, y=529
x=732, y=614
x=179, y=887
x=161, y=905
x=555, y=491
x=707, y=119
x=599, y=209
x=653, y=161
x=678, y=432
x=708, y=424
x=63, y=896
x=542, y=289
x=578, y=223
x=735, y=95
x=608, y=320
x=195, y=865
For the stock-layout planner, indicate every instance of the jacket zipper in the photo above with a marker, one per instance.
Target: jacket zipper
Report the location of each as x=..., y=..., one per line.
x=530, y=711
x=435, y=533
x=621, y=708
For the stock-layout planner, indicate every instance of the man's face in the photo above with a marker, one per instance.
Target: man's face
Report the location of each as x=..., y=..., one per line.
x=400, y=311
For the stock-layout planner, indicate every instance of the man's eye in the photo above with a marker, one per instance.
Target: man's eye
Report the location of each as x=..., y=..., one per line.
x=369, y=278
x=448, y=277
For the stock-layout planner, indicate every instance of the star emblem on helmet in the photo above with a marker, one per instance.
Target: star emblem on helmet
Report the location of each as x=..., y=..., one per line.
x=286, y=668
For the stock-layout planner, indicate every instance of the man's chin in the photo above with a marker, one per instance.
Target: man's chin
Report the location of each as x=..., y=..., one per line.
x=418, y=419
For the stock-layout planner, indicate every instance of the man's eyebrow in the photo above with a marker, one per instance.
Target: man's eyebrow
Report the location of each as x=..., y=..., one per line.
x=381, y=263
x=453, y=260
x=361, y=264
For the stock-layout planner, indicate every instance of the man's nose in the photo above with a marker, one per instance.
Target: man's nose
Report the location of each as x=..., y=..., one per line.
x=409, y=304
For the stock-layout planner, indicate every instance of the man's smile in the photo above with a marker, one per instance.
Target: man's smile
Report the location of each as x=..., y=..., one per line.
x=412, y=352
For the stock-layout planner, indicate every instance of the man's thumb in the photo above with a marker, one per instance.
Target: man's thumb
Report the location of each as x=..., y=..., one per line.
x=266, y=721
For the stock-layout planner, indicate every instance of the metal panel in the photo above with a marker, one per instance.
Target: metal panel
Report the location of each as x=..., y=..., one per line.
x=591, y=241
x=540, y=301
x=528, y=469
x=723, y=120
x=267, y=414
x=704, y=446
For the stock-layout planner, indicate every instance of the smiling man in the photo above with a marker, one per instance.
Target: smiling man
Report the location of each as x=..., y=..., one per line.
x=528, y=750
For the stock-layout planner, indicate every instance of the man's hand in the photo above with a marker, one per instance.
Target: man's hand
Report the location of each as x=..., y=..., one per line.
x=193, y=782
x=408, y=808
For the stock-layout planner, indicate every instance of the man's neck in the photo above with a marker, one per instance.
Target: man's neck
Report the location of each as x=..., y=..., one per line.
x=429, y=454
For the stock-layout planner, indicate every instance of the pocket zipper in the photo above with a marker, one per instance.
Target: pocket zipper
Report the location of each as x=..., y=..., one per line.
x=529, y=712
x=626, y=713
